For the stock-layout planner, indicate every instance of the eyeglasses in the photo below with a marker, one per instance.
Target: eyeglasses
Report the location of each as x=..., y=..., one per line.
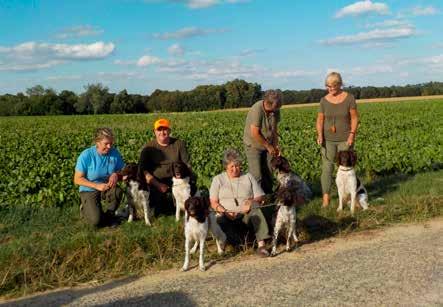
x=332, y=85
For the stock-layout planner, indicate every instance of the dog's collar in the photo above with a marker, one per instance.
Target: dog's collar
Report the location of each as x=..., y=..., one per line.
x=343, y=168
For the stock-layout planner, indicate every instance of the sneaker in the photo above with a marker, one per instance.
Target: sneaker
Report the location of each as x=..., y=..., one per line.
x=262, y=252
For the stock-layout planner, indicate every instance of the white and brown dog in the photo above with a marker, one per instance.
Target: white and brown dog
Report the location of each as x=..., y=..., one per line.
x=137, y=193
x=198, y=220
x=181, y=189
x=348, y=185
x=287, y=178
x=287, y=201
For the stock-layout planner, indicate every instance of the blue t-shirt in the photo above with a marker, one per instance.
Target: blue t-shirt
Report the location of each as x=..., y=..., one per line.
x=97, y=168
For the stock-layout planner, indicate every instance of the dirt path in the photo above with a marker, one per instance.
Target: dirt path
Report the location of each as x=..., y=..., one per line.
x=401, y=265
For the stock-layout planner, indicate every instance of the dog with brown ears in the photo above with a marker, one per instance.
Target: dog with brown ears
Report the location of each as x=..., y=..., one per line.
x=348, y=185
x=181, y=188
x=287, y=178
x=287, y=201
x=137, y=193
x=198, y=220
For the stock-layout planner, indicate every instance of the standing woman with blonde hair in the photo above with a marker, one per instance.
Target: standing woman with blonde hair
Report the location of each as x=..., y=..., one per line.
x=337, y=122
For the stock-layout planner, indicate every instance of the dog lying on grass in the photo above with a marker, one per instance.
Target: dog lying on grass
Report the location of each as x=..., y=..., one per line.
x=137, y=193
x=198, y=220
x=348, y=185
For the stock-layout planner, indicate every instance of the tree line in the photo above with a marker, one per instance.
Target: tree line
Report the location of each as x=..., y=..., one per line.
x=96, y=99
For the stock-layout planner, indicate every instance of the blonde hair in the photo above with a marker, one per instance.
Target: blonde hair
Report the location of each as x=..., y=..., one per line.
x=103, y=133
x=334, y=78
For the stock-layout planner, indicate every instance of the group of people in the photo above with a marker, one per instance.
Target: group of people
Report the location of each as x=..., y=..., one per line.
x=232, y=193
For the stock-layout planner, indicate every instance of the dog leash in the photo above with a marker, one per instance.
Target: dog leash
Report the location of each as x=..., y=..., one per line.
x=255, y=206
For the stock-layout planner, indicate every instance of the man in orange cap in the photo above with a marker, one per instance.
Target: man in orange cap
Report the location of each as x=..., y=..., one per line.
x=156, y=161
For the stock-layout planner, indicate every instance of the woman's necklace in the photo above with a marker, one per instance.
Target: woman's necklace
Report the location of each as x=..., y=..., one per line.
x=232, y=190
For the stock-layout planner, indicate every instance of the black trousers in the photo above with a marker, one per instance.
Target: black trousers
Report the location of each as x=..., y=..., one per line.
x=163, y=203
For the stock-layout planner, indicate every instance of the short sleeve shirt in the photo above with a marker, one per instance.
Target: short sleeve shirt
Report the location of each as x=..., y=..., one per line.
x=227, y=190
x=158, y=160
x=259, y=118
x=97, y=168
x=337, y=115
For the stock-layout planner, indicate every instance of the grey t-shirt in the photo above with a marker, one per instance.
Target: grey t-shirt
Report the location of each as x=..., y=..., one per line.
x=337, y=115
x=227, y=190
x=259, y=118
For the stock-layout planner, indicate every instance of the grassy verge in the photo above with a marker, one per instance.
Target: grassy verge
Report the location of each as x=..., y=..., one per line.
x=48, y=248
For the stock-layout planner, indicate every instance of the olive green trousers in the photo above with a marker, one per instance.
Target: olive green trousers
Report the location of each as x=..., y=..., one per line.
x=329, y=151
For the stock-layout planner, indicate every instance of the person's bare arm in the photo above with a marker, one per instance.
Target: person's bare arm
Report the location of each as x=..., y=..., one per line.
x=256, y=135
x=319, y=126
x=80, y=179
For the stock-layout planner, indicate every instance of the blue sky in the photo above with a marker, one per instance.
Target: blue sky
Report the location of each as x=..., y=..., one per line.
x=142, y=45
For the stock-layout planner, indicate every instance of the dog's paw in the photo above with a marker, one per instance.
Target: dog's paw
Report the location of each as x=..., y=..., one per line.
x=202, y=268
x=184, y=268
x=339, y=209
x=274, y=252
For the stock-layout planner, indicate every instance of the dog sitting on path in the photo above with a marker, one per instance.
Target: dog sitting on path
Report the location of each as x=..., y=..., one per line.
x=198, y=220
x=287, y=201
x=348, y=185
x=137, y=193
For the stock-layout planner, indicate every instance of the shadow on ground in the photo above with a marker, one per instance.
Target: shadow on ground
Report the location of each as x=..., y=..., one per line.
x=157, y=299
x=63, y=297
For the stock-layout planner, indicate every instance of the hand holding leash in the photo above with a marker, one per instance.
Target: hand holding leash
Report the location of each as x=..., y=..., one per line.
x=113, y=179
x=102, y=187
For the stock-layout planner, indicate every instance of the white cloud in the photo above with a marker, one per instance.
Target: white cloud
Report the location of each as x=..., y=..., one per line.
x=363, y=7
x=370, y=70
x=147, y=60
x=64, y=78
x=293, y=74
x=374, y=35
x=34, y=56
x=389, y=23
x=432, y=62
x=214, y=71
x=79, y=31
x=249, y=52
x=120, y=75
x=201, y=4
x=424, y=11
x=187, y=33
x=28, y=66
x=96, y=50
x=176, y=50
x=125, y=62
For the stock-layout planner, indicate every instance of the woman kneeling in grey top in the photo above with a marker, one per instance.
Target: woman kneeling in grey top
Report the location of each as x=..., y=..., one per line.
x=232, y=195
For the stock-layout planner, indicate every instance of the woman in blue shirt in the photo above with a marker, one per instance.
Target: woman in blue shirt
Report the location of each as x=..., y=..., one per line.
x=96, y=172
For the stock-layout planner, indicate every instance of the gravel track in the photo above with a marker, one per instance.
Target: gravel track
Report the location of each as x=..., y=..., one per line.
x=396, y=266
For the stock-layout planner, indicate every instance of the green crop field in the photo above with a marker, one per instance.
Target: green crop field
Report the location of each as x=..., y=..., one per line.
x=45, y=244
x=38, y=154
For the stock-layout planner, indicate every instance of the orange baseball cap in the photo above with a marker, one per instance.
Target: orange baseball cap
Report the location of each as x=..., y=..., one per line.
x=162, y=122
